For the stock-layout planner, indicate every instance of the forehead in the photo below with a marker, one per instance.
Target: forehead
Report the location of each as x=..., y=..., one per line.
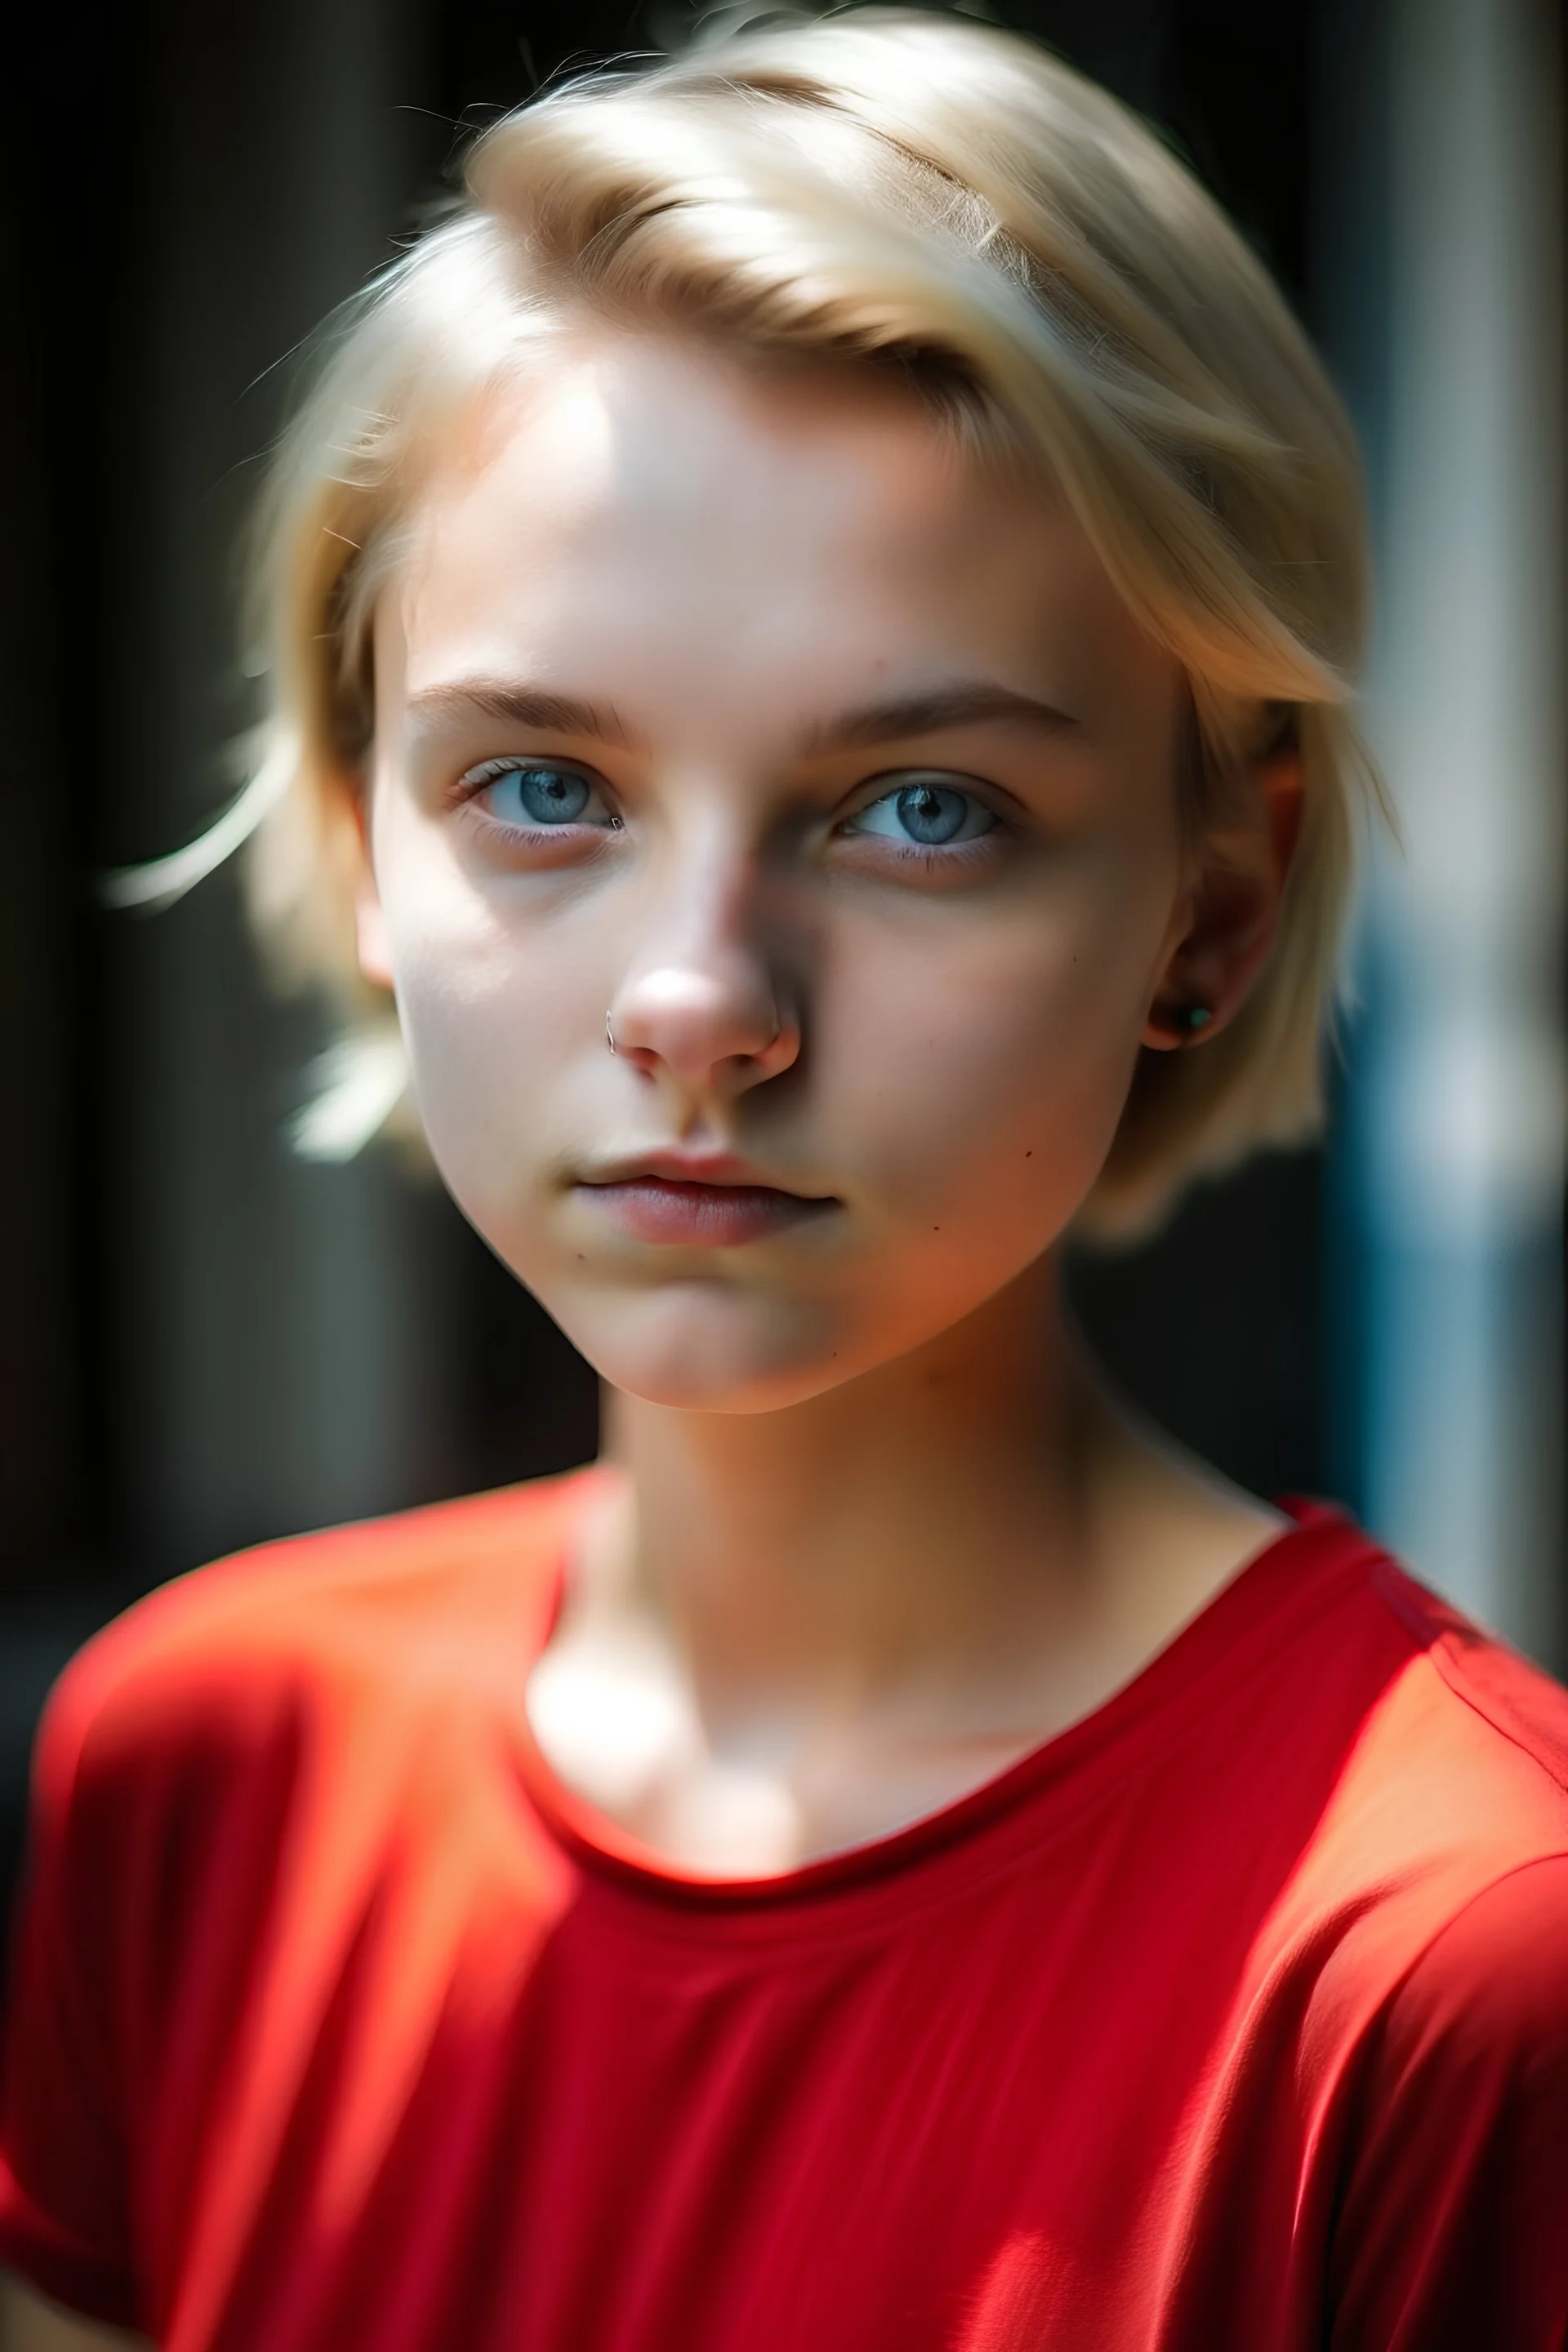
x=696, y=522
x=619, y=435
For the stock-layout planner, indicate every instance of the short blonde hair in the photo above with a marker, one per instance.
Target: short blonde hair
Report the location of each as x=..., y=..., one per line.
x=908, y=191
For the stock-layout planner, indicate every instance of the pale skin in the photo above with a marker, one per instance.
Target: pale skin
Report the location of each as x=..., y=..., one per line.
x=875, y=1532
x=873, y=1529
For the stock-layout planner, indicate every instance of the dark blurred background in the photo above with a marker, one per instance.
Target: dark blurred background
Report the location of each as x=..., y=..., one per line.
x=205, y=1342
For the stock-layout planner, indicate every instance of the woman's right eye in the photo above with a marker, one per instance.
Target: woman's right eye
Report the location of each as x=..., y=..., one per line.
x=538, y=795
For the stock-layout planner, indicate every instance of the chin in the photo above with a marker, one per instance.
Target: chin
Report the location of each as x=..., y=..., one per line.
x=694, y=1347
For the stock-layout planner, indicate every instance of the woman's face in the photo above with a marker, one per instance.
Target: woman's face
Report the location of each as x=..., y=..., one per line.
x=736, y=715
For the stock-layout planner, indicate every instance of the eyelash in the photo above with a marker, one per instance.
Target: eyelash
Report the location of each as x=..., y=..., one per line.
x=475, y=781
x=936, y=860
x=939, y=862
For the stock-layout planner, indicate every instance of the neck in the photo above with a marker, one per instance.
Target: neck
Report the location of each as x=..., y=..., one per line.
x=790, y=1632
x=900, y=1531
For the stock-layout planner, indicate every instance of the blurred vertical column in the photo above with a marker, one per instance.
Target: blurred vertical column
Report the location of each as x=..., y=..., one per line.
x=1445, y=196
x=279, y=1356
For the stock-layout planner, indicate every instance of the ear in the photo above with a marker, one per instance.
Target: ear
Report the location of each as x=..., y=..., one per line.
x=370, y=922
x=1233, y=909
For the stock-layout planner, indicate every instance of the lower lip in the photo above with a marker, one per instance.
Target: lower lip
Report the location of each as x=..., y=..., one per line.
x=705, y=1216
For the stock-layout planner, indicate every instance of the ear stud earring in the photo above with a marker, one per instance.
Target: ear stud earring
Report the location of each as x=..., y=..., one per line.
x=1186, y=1020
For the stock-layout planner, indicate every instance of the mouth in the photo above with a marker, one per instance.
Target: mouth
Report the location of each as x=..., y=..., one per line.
x=714, y=1202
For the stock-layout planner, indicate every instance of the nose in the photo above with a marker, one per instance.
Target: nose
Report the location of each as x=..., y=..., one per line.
x=708, y=1013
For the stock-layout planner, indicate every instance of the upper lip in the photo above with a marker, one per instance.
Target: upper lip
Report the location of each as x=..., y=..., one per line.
x=689, y=1168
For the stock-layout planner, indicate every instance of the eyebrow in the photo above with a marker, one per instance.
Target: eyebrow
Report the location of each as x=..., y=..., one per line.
x=966, y=703
x=530, y=708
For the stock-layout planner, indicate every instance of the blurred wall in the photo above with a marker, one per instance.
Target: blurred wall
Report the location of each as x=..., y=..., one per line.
x=1442, y=291
x=277, y=1330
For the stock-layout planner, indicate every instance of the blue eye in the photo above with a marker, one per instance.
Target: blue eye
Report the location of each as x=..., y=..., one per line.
x=926, y=812
x=528, y=792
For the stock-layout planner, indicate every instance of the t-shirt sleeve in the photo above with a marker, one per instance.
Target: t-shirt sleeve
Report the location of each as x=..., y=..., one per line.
x=63, y=2169
x=1453, y=2228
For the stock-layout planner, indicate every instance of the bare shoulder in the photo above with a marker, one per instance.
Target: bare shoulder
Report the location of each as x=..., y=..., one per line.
x=29, y=2323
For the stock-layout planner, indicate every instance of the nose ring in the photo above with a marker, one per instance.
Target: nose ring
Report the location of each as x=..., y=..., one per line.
x=609, y=1034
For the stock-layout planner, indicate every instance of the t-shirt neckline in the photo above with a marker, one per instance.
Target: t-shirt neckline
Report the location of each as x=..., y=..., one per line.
x=1244, y=1615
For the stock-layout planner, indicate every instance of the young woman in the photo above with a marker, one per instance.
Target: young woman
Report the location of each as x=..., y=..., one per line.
x=813, y=624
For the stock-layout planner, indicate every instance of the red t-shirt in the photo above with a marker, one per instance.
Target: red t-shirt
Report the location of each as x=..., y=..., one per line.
x=1234, y=2019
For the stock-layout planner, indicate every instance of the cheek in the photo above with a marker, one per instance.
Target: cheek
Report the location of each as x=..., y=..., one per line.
x=984, y=1074
x=488, y=1014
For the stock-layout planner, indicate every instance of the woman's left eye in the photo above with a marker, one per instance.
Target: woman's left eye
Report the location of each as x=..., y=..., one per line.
x=536, y=794
x=926, y=811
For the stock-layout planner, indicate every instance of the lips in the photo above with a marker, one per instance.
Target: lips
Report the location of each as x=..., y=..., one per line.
x=711, y=1212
